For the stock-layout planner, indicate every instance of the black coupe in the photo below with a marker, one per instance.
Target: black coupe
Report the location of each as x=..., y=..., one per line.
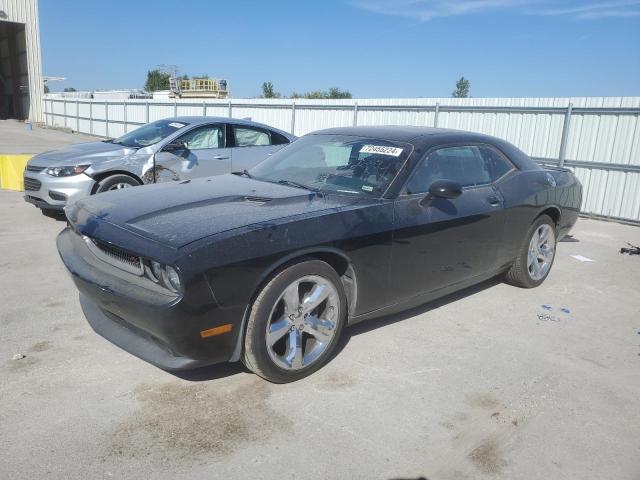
x=268, y=266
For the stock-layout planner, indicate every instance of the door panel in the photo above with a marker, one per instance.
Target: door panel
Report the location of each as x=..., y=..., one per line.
x=249, y=157
x=446, y=242
x=204, y=155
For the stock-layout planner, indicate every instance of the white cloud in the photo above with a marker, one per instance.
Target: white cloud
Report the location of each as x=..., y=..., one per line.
x=425, y=10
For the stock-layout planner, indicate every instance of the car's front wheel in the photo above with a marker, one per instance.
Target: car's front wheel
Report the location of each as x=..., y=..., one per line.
x=295, y=322
x=116, y=182
x=535, y=259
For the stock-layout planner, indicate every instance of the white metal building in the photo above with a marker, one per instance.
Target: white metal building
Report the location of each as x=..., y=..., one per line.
x=21, y=82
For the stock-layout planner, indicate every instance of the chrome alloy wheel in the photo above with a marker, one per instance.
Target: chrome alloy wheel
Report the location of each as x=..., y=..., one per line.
x=118, y=186
x=542, y=248
x=303, y=322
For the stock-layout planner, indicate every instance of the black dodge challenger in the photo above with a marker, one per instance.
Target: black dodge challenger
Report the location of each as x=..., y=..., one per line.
x=268, y=266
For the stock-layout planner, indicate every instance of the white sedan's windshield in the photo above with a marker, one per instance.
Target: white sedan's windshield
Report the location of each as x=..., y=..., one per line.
x=150, y=133
x=339, y=163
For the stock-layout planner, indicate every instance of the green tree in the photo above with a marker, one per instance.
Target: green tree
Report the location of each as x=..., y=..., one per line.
x=268, y=91
x=332, y=93
x=157, y=80
x=462, y=88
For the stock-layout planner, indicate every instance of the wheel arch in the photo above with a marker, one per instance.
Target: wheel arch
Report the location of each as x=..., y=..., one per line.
x=553, y=212
x=337, y=259
x=98, y=177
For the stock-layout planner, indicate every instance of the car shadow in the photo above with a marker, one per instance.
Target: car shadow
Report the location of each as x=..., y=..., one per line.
x=568, y=239
x=212, y=372
x=382, y=321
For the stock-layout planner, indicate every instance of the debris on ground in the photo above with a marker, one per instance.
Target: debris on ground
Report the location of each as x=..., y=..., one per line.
x=18, y=356
x=582, y=258
x=548, y=317
x=632, y=250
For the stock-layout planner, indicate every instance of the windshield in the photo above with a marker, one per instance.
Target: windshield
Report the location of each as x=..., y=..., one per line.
x=150, y=133
x=339, y=163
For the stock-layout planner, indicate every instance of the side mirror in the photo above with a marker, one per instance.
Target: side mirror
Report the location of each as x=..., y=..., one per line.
x=442, y=189
x=175, y=146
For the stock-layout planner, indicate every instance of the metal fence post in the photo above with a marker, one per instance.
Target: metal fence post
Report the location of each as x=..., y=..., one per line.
x=293, y=118
x=77, y=115
x=45, y=111
x=106, y=118
x=230, y=109
x=175, y=108
x=147, y=111
x=124, y=114
x=565, y=135
x=435, y=115
x=204, y=108
x=91, y=116
x=64, y=111
x=355, y=114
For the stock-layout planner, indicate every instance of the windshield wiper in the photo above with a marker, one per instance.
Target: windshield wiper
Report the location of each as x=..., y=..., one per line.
x=243, y=173
x=291, y=183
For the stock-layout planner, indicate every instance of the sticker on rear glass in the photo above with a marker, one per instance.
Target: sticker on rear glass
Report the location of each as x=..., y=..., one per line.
x=382, y=150
x=176, y=125
x=367, y=188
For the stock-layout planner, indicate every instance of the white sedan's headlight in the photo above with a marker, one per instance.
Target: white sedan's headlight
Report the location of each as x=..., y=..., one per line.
x=66, y=171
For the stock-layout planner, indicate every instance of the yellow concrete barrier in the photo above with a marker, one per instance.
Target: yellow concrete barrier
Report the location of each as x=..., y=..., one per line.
x=11, y=170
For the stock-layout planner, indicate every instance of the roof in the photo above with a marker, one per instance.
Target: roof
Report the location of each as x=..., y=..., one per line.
x=409, y=134
x=427, y=137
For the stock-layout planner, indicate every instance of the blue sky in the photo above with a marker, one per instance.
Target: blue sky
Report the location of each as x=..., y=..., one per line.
x=374, y=48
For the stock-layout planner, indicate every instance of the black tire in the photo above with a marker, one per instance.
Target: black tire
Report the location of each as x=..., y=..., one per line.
x=111, y=182
x=519, y=274
x=256, y=355
x=54, y=213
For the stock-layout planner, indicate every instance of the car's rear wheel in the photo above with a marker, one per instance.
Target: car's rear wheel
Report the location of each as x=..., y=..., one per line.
x=295, y=322
x=535, y=259
x=116, y=182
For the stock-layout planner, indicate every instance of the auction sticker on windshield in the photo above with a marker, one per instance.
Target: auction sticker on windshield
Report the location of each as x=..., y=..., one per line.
x=176, y=125
x=382, y=150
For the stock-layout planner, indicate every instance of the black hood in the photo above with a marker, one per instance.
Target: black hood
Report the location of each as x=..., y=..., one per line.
x=176, y=214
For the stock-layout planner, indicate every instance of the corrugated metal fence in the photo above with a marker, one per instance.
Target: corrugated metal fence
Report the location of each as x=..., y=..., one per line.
x=599, y=138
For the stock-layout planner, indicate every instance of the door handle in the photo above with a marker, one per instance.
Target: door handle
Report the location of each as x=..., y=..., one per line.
x=220, y=157
x=493, y=200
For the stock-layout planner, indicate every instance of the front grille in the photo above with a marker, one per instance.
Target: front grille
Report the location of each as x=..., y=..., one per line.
x=31, y=184
x=115, y=256
x=33, y=168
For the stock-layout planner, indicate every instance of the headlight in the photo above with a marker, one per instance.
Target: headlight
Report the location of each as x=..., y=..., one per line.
x=66, y=171
x=164, y=275
x=173, y=279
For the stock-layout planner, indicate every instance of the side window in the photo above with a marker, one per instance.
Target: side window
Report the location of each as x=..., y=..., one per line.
x=209, y=136
x=464, y=165
x=278, y=139
x=496, y=163
x=250, y=137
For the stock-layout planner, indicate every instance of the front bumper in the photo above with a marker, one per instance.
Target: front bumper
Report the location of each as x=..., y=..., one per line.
x=48, y=192
x=162, y=329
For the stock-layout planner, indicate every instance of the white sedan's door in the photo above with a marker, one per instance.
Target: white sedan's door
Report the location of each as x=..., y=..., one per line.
x=253, y=145
x=204, y=155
